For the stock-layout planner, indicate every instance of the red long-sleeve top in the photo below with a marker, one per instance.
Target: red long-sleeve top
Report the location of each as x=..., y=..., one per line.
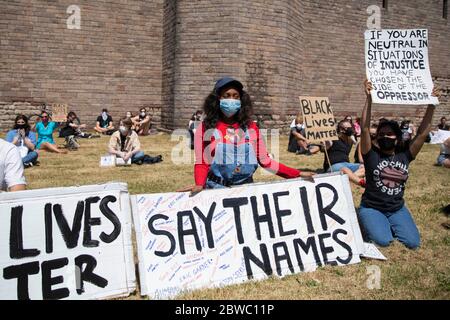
x=205, y=150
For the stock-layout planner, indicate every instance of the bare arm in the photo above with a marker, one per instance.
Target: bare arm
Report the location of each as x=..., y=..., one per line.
x=366, y=143
x=298, y=135
x=30, y=145
x=17, y=187
x=360, y=157
x=424, y=128
x=146, y=120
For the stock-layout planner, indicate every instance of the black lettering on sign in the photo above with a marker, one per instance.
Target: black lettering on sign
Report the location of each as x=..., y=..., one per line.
x=110, y=215
x=282, y=256
x=69, y=235
x=208, y=223
x=344, y=245
x=21, y=273
x=163, y=233
x=305, y=106
x=16, y=250
x=48, y=228
x=310, y=244
x=88, y=222
x=282, y=213
x=87, y=274
x=185, y=232
x=258, y=219
x=47, y=281
x=306, y=210
x=264, y=265
x=236, y=203
x=326, y=211
x=326, y=250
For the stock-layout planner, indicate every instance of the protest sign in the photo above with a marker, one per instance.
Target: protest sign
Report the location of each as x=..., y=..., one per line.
x=397, y=65
x=439, y=136
x=72, y=243
x=318, y=117
x=226, y=236
x=59, y=112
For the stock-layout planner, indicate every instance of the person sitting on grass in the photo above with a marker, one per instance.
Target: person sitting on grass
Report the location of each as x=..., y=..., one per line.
x=125, y=143
x=194, y=122
x=297, y=140
x=141, y=122
x=444, y=156
x=11, y=168
x=338, y=154
x=71, y=131
x=228, y=144
x=104, y=124
x=383, y=214
x=24, y=139
x=44, y=129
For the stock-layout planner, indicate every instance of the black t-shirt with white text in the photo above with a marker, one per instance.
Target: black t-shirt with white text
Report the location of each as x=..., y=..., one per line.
x=386, y=176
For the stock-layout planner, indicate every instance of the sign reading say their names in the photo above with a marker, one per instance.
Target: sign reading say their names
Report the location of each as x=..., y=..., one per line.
x=318, y=117
x=397, y=65
x=226, y=236
x=66, y=243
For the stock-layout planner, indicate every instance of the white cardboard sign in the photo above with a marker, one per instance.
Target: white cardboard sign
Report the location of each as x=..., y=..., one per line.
x=397, y=65
x=66, y=243
x=227, y=236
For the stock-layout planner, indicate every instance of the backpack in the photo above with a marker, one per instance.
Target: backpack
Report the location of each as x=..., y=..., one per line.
x=149, y=159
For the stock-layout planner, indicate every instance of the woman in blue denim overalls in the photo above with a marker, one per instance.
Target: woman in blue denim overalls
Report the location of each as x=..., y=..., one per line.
x=228, y=144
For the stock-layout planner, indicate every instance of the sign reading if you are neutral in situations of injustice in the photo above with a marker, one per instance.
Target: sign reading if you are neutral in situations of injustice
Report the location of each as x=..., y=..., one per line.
x=318, y=118
x=397, y=65
x=227, y=236
x=72, y=243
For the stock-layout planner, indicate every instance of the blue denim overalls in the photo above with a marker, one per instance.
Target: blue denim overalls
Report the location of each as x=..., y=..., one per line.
x=233, y=163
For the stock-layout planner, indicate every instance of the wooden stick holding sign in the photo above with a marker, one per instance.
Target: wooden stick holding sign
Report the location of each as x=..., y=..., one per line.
x=59, y=112
x=320, y=125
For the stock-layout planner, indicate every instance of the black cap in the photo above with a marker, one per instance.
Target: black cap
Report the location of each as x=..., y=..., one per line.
x=227, y=81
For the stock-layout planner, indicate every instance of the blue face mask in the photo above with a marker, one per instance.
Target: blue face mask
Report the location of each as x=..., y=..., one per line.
x=230, y=107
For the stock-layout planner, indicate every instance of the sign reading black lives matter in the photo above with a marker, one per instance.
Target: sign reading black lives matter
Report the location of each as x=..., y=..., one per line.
x=227, y=236
x=318, y=118
x=397, y=65
x=72, y=243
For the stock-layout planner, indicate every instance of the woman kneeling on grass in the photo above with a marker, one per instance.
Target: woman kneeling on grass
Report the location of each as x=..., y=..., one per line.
x=45, y=129
x=228, y=145
x=383, y=213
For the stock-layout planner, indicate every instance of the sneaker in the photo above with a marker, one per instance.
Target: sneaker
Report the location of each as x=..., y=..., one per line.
x=27, y=165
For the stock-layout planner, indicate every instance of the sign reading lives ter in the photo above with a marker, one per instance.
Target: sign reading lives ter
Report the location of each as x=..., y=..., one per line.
x=66, y=243
x=397, y=65
x=227, y=236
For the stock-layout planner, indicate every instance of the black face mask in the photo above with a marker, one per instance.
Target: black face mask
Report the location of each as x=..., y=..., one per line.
x=386, y=143
x=21, y=126
x=348, y=132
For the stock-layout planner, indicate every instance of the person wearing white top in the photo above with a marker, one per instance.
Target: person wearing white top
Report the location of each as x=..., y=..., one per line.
x=11, y=168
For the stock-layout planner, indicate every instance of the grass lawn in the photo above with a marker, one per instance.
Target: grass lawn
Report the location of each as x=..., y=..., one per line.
x=420, y=274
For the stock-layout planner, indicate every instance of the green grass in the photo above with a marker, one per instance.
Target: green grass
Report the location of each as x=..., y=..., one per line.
x=419, y=274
